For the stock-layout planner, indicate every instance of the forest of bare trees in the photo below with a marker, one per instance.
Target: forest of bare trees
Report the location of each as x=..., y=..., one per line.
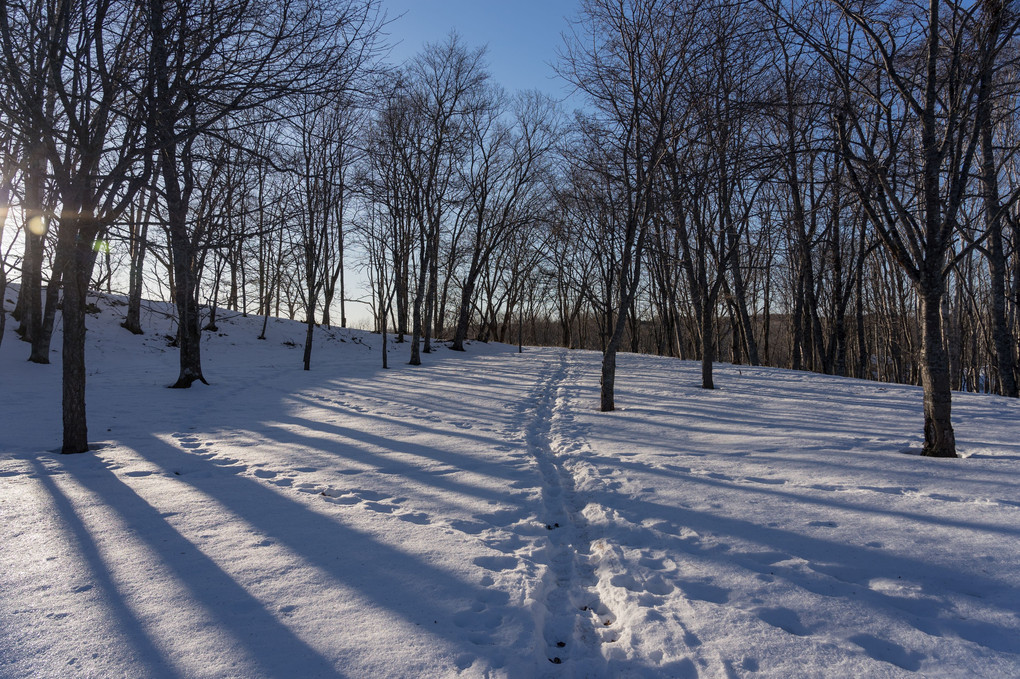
x=826, y=185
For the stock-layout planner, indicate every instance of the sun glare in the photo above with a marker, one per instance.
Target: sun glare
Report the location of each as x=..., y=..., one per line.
x=38, y=226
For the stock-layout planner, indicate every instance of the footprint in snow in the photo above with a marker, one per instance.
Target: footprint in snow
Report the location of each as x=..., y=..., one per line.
x=496, y=563
x=657, y=563
x=493, y=597
x=785, y=619
x=654, y=585
x=771, y=482
x=888, y=651
x=380, y=507
x=481, y=619
x=469, y=527
x=704, y=590
x=340, y=499
x=510, y=545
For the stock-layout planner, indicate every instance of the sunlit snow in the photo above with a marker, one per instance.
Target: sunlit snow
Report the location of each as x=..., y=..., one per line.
x=476, y=516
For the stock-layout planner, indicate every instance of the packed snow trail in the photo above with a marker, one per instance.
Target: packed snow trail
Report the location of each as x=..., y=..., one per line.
x=603, y=580
x=569, y=616
x=355, y=522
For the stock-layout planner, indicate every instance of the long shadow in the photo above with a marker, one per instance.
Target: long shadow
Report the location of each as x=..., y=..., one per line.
x=403, y=389
x=406, y=586
x=848, y=558
x=418, y=425
x=765, y=489
x=828, y=460
x=921, y=470
x=276, y=649
x=700, y=418
x=356, y=451
x=129, y=626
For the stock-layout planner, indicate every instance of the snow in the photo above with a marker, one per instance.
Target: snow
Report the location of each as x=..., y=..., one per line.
x=476, y=516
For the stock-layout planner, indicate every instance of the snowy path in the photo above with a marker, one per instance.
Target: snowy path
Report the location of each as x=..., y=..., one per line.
x=478, y=517
x=571, y=617
x=616, y=595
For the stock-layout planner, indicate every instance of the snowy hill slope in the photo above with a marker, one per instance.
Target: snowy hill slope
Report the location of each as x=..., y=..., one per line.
x=476, y=516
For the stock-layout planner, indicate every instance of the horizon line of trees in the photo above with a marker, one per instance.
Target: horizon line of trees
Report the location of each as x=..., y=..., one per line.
x=823, y=185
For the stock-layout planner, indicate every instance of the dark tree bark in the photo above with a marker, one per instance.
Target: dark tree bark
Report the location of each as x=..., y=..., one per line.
x=30, y=313
x=939, y=439
x=77, y=272
x=1002, y=338
x=137, y=247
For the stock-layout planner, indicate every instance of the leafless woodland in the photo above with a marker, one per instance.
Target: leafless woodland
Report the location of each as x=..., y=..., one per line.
x=826, y=185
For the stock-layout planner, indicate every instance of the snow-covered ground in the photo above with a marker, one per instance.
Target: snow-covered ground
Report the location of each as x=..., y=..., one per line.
x=476, y=517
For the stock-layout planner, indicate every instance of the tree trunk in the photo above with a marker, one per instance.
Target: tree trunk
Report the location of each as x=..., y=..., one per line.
x=401, y=294
x=78, y=270
x=939, y=439
x=464, y=316
x=739, y=293
x=839, y=328
x=431, y=294
x=44, y=334
x=189, y=332
x=608, y=381
x=309, y=333
x=707, y=345
x=416, y=323
x=343, y=286
x=635, y=327
x=1001, y=339
x=133, y=318
x=797, y=322
x=29, y=308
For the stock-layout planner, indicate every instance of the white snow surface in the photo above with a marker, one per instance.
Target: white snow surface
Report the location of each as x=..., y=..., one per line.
x=477, y=516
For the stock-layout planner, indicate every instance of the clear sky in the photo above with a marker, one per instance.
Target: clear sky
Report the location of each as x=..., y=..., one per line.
x=523, y=36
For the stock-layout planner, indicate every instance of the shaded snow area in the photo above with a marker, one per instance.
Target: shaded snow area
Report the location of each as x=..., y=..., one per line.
x=477, y=517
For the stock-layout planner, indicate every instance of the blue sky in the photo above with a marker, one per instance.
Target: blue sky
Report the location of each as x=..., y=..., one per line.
x=523, y=36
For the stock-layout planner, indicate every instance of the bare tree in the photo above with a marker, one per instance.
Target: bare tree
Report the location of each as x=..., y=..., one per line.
x=628, y=57
x=211, y=61
x=909, y=135
x=91, y=138
x=998, y=25
x=8, y=177
x=425, y=126
x=504, y=172
x=323, y=156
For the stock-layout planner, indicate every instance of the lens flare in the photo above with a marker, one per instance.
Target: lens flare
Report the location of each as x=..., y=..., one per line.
x=38, y=226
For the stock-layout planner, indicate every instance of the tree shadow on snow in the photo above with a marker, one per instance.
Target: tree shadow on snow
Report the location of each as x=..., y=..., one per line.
x=390, y=578
x=276, y=650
